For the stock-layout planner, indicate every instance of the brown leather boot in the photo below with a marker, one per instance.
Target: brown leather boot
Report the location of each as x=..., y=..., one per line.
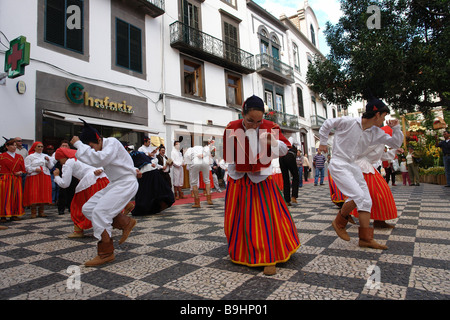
x=128, y=208
x=180, y=191
x=196, y=199
x=124, y=223
x=33, y=212
x=77, y=232
x=3, y=228
x=208, y=199
x=339, y=224
x=366, y=239
x=177, y=193
x=270, y=270
x=105, y=251
x=293, y=200
x=382, y=224
x=41, y=212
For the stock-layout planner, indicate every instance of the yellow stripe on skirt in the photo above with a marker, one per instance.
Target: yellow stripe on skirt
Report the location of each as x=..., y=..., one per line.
x=258, y=225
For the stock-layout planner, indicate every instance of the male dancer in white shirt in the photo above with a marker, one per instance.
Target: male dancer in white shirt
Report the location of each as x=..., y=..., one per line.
x=104, y=208
x=352, y=137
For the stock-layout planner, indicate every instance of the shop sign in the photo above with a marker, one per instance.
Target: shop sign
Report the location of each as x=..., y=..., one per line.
x=17, y=57
x=75, y=93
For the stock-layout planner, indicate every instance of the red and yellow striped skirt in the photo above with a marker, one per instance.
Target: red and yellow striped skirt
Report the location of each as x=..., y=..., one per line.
x=258, y=225
x=80, y=198
x=336, y=195
x=38, y=189
x=11, y=196
x=278, y=179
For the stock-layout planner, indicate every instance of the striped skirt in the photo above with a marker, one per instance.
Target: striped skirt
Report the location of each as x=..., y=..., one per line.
x=38, y=189
x=80, y=198
x=383, y=203
x=278, y=179
x=11, y=196
x=258, y=225
x=336, y=196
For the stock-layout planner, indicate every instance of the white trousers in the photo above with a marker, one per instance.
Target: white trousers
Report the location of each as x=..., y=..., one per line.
x=350, y=181
x=178, y=176
x=194, y=172
x=107, y=203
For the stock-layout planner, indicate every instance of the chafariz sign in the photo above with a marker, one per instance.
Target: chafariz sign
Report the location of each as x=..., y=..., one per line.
x=75, y=94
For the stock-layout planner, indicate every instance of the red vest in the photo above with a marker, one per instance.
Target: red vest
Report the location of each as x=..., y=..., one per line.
x=236, y=146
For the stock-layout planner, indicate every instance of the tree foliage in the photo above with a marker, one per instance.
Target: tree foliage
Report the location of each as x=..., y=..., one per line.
x=406, y=61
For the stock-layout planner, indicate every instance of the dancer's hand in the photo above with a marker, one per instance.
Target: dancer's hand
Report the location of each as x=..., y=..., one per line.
x=392, y=123
x=74, y=139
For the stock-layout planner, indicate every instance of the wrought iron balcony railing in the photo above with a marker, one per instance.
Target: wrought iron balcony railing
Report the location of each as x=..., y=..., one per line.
x=202, y=45
x=284, y=120
x=153, y=8
x=274, y=69
x=317, y=121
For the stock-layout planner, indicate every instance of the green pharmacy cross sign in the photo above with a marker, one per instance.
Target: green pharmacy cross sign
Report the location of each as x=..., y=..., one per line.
x=17, y=57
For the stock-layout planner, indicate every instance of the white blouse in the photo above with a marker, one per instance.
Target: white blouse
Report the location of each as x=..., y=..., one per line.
x=37, y=160
x=81, y=171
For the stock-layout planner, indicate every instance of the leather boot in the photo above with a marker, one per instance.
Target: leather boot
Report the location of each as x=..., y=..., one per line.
x=176, y=193
x=293, y=200
x=366, y=239
x=128, y=208
x=3, y=228
x=196, y=199
x=124, y=223
x=33, y=212
x=339, y=224
x=208, y=195
x=41, y=212
x=77, y=232
x=105, y=251
x=382, y=224
x=270, y=270
x=180, y=191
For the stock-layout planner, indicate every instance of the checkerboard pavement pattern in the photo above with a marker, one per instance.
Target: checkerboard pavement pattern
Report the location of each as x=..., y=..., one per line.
x=181, y=254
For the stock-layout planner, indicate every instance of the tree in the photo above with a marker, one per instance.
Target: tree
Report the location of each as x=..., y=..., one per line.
x=405, y=60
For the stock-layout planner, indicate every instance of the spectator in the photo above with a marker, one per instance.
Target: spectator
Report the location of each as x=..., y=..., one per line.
x=177, y=169
x=412, y=163
x=319, y=165
x=38, y=187
x=288, y=166
x=299, y=160
x=445, y=146
x=166, y=163
x=404, y=171
x=306, y=168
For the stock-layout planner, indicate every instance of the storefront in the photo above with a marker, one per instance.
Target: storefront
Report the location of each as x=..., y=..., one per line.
x=62, y=102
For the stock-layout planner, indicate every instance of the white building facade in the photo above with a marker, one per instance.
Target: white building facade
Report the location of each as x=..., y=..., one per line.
x=157, y=68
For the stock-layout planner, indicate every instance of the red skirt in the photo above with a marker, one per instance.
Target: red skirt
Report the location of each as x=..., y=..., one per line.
x=258, y=225
x=278, y=178
x=11, y=196
x=38, y=189
x=80, y=198
x=336, y=196
x=383, y=203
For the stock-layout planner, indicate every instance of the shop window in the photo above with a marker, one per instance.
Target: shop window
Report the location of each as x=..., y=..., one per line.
x=64, y=24
x=128, y=46
x=193, y=78
x=234, y=89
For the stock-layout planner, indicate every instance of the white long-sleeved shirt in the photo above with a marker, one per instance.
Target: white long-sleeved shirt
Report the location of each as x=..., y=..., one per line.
x=373, y=155
x=81, y=171
x=113, y=157
x=350, y=140
x=177, y=158
x=37, y=160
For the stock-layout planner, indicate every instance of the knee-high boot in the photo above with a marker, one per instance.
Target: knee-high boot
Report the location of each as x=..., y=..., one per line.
x=124, y=223
x=339, y=224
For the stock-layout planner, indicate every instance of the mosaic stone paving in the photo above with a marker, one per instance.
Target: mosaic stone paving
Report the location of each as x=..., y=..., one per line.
x=181, y=254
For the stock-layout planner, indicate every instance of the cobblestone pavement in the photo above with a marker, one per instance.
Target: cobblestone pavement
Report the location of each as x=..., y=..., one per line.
x=181, y=254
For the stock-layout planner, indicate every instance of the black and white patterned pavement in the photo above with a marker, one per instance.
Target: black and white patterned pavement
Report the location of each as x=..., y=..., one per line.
x=181, y=254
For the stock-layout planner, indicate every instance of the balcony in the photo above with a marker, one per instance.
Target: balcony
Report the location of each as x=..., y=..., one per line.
x=153, y=8
x=204, y=46
x=286, y=121
x=274, y=69
x=316, y=122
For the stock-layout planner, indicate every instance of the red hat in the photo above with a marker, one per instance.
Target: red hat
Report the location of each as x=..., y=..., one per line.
x=65, y=153
x=387, y=129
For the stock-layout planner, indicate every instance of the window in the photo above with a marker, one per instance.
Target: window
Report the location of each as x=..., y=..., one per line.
x=192, y=78
x=191, y=14
x=64, y=29
x=128, y=46
x=232, y=3
x=234, y=89
x=301, y=110
x=271, y=92
x=231, y=42
x=296, y=57
x=313, y=34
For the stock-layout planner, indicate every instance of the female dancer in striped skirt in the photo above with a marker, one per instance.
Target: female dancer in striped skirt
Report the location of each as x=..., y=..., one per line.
x=91, y=180
x=258, y=225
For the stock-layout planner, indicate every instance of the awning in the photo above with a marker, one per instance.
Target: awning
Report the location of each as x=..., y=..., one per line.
x=73, y=118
